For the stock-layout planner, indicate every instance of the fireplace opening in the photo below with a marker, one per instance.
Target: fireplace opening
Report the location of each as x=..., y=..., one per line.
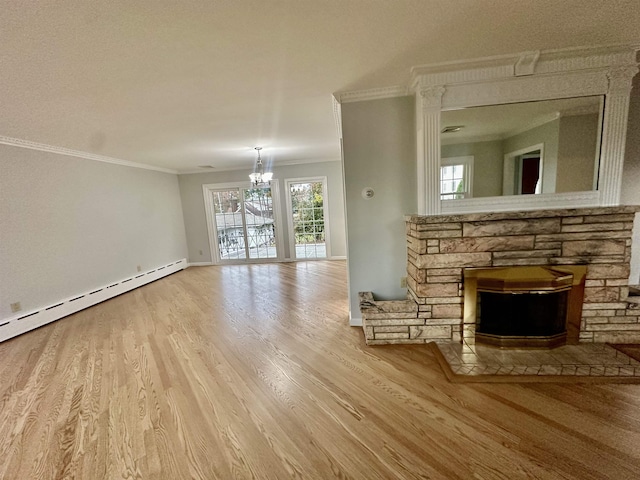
x=524, y=306
x=512, y=315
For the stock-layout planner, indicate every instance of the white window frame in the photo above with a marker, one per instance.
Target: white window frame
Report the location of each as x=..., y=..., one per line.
x=467, y=163
x=325, y=208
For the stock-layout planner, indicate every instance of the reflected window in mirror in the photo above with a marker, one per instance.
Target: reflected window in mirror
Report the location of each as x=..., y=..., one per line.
x=503, y=139
x=456, y=177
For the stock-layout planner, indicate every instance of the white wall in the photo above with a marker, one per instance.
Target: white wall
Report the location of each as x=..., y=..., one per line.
x=69, y=225
x=379, y=152
x=196, y=221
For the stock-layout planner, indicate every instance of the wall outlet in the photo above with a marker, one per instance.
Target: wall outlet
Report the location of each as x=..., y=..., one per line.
x=16, y=307
x=139, y=267
x=403, y=282
x=200, y=252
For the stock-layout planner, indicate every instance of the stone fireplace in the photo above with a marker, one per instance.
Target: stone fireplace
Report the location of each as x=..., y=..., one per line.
x=443, y=250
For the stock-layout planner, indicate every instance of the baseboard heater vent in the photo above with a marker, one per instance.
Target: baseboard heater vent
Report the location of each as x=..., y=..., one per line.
x=17, y=325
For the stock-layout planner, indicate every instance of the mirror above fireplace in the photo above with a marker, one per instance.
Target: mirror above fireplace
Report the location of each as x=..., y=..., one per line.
x=596, y=80
x=549, y=146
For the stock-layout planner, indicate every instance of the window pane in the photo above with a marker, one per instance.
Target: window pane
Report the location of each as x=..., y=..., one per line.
x=452, y=183
x=447, y=173
x=307, y=206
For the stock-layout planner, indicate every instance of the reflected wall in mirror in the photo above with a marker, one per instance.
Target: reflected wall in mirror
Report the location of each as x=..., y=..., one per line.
x=549, y=146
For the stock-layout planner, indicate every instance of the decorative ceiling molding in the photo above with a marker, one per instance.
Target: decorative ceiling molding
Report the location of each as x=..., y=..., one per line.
x=337, y=115
x=371, y=94
x=511, y=133
x=538, y=122
x=471, y=139
x=500, y=67
x=17, y=142
x=524, y=63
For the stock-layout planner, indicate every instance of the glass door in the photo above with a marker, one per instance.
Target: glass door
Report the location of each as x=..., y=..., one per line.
x=244, y=224
x=259, y=223
x=306, y=207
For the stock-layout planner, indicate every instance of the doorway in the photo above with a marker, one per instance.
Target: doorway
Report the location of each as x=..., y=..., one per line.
x=529, y=169
x=523, y=171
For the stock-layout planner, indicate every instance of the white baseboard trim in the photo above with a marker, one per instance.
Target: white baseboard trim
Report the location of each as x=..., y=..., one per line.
x=25, y=321
x=200, y=264
x=355, y=321
x=342, y=257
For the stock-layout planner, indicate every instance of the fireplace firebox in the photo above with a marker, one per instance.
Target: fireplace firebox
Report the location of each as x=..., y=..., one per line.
x=524, y=306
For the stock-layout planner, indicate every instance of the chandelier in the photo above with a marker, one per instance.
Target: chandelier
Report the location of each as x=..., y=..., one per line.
x=259, y=176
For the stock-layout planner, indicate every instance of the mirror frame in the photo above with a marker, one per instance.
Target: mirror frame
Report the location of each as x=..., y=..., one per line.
x=525, y=77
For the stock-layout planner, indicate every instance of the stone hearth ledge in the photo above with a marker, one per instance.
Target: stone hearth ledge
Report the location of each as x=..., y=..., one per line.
x=440, y=247
x=526, y=214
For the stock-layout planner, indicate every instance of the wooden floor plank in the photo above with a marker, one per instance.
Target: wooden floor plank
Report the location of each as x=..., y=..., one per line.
x=251, y=371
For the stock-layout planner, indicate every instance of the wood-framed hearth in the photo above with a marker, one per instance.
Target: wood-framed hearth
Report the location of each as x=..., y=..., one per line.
x=440, y=247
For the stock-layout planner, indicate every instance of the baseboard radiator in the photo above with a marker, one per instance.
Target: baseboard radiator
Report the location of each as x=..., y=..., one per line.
x=23, y=322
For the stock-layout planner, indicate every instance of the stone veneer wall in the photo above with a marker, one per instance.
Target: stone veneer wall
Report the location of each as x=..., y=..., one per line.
x=439, y=248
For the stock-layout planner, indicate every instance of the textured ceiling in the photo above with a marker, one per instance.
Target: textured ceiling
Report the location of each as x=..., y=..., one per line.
x=177, y=84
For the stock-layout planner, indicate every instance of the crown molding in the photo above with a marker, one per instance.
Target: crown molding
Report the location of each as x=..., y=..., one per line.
x=502, y=136
x=471, y=139
x=337, y=115
x=524, y=64
x=42, y=147
x=538, y=122
x=371, y=94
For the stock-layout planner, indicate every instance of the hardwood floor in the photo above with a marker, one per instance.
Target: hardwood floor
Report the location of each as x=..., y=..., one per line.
x=252, y=372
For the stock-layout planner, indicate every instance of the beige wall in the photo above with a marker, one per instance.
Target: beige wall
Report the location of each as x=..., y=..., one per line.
x=379, y=152
x=196, y=221
x=577, y=153
x=70, y=225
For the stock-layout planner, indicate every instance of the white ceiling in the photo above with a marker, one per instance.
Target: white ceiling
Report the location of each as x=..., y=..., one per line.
x=181, y=83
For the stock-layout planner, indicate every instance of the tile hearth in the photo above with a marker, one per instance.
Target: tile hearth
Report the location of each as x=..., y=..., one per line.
x=588, y=362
